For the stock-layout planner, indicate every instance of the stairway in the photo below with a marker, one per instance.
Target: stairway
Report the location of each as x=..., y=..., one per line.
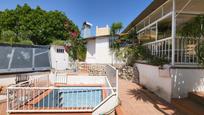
x=192, y=105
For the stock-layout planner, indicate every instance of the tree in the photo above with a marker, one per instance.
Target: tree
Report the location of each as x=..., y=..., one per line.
x=77, y=50
x=132, y=37
x=8, y=37
x=116, y=28
x=40, y=26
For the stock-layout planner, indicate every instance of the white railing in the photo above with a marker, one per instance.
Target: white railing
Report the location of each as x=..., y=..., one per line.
x=40, y=94
x=185, y=51
x=56, y=99
x=161, y=48
x=35, y=81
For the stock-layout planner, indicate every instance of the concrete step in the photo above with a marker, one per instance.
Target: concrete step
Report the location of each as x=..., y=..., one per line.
x=197, y=97
x=188, y=106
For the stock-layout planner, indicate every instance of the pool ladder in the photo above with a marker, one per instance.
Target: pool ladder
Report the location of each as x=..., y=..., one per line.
x=61, y=99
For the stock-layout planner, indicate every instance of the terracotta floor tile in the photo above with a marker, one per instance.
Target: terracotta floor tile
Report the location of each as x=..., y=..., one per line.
x=138, y=101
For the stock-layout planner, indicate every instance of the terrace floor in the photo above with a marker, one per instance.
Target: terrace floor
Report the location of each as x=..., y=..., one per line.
x=138, y=101
x=3, y=107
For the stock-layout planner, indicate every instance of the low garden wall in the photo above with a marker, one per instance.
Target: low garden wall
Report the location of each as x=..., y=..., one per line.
x=156, y=80
x=128, y=73
x=185, y=80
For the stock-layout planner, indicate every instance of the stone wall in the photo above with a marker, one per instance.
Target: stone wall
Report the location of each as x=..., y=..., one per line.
x=124, y=72
x=128, y=73
x=92, y=69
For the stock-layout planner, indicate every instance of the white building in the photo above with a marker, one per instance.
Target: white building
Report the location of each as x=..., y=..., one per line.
x=100, y=31
x=98, y=50
x=17, y=60
x=158, y=27
x=98, y=47
x=59, y=57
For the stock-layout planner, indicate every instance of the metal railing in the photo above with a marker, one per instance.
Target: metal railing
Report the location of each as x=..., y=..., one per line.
x=56, y=99
x=42, y=80
x=40, y=94
x=161, y=48
x=185, y=50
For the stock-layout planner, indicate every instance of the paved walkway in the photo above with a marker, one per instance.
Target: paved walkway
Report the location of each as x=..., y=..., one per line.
x=3, y=107
x=138, y=101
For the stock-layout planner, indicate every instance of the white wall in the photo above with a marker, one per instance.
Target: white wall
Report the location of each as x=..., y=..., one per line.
x=154, y=79
x=107, y=106
x=6, y=80
x=9, y=79
x=171, y=82
x=98, y=51
x=86, y=80
x=59, y=61
x=186, y=80
x=103, y=54
x=91, y=51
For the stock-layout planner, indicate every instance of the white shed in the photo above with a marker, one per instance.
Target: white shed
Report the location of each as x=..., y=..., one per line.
x=59, y=57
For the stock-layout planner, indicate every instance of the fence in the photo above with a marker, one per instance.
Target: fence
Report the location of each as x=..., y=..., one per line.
x=51, y=99
x=185, y=50
x=21, y=58
x=40, y=95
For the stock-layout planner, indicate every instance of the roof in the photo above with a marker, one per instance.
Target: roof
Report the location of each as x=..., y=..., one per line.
x=153, y=6
x=25, y=46
x=95, y=37
x=87, y=23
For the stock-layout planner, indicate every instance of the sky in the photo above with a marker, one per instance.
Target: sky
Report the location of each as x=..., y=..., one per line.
x=98, y=12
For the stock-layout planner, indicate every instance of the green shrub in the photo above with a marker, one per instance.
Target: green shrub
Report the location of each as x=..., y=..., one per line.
x=157, y=61
x=58, y=42
x=8, y=37
x=26, y=42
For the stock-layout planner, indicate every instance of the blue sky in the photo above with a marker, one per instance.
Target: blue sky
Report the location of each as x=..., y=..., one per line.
x=97, y=12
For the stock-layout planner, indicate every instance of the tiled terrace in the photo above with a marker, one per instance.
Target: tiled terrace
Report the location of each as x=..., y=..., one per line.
x=3, y=107
x=138, y=101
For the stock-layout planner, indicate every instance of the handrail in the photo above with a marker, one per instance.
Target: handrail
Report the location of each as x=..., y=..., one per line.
x=20, y=96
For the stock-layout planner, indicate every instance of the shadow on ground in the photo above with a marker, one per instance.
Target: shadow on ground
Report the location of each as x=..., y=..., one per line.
x=149, y=97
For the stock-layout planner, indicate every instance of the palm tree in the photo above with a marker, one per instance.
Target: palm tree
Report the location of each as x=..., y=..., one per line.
x=115, y=29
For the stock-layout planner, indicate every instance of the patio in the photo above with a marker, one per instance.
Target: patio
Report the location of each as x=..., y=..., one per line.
x=138, y=101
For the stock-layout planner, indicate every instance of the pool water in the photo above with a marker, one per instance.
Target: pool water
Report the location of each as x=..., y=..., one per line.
x=72, y=97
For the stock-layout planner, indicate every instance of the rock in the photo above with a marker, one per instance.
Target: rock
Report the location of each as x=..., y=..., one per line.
x=128, y=73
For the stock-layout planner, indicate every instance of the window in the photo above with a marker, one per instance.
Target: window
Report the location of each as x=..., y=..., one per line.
x=60, y=50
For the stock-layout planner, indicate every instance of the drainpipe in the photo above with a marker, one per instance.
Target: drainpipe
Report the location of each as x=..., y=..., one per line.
x=173, y=32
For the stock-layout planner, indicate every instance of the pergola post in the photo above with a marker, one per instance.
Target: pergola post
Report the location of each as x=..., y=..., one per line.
x=173, y=32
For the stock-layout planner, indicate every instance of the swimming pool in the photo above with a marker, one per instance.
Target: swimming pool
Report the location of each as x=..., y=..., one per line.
x=72, y=97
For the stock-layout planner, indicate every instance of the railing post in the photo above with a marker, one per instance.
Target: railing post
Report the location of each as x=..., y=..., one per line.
x=7, y=99
x=117, y=85
x=173, y=33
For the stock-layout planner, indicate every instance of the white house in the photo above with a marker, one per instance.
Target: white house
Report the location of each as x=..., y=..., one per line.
x=98, y=47
x=98, y=50
x=158, y=27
